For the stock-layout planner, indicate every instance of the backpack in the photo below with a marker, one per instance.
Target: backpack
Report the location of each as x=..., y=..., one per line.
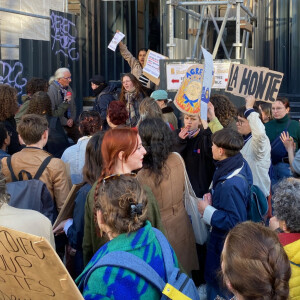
x=257, y=207
x=32, y=193
x=178, y=286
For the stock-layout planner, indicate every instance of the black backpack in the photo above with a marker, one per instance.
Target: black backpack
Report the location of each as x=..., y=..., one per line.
x=32, y=193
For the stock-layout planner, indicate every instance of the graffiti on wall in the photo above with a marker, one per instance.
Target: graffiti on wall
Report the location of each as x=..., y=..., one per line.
x=12, y=75
x=61, y=35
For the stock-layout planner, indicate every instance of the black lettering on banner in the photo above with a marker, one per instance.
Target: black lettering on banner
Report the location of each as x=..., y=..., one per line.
x=8, y=242
x=39, y=255
x=253, y=84
x=274, y=89
x=23, y=262
x=8, y=266
x=261, y=86
x=17, y=280
x=229, y=88
x=245, y=81
x=51, y=292
x=235, y=77
x=267, y=96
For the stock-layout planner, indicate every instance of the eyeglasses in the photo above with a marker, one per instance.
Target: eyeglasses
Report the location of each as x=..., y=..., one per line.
x=115, y=176
x=126, y=81
x=68, y=78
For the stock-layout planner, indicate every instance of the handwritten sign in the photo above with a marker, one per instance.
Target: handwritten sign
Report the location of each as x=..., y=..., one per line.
x=31, y=270
x=207, y=82
x=151, y=69
x=115, y=41
x=262, y=83
x=188, y=96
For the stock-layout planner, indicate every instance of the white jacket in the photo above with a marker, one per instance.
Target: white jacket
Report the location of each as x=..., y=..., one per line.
x=257, y=153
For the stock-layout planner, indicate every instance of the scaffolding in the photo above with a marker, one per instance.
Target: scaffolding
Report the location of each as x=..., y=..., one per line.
x=209, y=12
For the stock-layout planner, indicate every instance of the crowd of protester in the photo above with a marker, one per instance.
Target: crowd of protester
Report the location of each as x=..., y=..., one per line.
x=128, y=157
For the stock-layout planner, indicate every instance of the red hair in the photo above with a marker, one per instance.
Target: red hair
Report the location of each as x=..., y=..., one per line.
x=117, y=112
x=114, y=141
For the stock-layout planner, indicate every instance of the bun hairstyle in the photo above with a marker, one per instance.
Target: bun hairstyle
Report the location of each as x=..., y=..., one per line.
x=123, y=203
x=254, y=263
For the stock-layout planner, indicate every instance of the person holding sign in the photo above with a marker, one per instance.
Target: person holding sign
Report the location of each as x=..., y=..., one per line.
x=132, y=94
x=256, y=150
x=274, y=128
x=121, y=214
x=136, y=65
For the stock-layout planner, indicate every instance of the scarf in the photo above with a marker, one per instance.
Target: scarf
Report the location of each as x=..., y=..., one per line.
x=193, y=133
x=226, y=166
x=99, y=89
x=133, y=114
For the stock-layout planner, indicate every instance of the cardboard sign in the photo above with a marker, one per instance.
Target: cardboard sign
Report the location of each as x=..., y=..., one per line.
x=175, y=75
x=151, y=69
x=262, y=83
x=188, y=96
x=31, y=269
x=207, y=82
x=66, y=211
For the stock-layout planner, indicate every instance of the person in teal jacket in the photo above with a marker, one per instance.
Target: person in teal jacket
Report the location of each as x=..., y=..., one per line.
x=121, y=213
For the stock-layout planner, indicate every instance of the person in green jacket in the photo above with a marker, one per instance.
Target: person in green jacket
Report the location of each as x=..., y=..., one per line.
x=122, y=152
x=274, y=128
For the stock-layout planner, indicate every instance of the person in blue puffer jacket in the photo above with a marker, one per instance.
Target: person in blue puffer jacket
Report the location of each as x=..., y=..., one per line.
x=226, y=205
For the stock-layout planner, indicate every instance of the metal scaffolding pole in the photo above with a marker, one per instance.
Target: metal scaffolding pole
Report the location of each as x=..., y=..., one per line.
x=238, y=45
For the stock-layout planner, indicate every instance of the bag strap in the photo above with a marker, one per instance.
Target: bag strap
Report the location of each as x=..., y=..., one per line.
x=130, y=262
x=42, y=167
x=187, y=183
x=166, y=251
x=298, y=265
x=12, y=174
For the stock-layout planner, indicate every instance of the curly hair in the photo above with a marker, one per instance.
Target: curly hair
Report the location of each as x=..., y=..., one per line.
x=4, y=196
x=157, y=139
x=224, y=109
x=40, y=104
x=123, y=204
x=254, y=263
x=93, y=159
x=138, y=87
x=36, y=85
x=8, y=101
x=286, y=203
x=89, y=122
x=117, y=112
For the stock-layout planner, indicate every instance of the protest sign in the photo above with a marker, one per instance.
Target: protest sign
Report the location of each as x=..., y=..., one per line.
x=188, y=96
x=151, y=69
x=115, y=41
x=221, y=70
x=30, y=269
x=66, y=211
x=262, y=83
x=207, y=82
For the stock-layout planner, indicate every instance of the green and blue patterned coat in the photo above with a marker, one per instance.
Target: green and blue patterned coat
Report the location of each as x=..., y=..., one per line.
x=118, y=283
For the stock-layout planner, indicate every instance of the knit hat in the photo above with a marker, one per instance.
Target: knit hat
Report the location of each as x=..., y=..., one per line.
x=97, y=79
x=159, y=95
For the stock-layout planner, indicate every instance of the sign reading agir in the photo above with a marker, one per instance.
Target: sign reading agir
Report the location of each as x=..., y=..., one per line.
x=262, y=83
